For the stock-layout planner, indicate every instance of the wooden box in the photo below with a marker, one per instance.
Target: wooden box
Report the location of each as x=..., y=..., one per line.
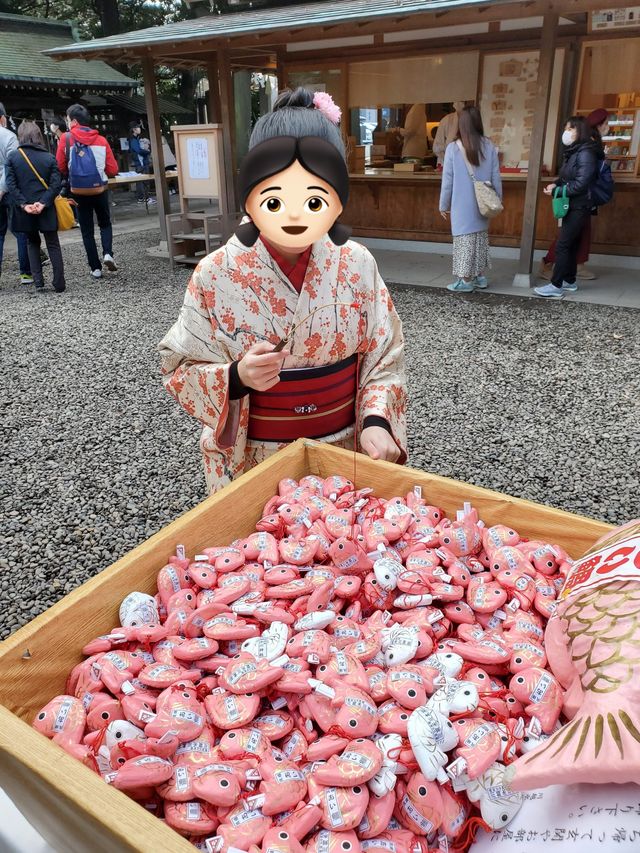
x=406, y=167
x=69, y=804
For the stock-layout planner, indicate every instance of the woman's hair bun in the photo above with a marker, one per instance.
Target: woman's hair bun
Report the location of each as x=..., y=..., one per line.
x=299, y=97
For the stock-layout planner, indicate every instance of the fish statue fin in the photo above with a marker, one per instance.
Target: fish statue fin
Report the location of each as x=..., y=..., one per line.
x=600, y=744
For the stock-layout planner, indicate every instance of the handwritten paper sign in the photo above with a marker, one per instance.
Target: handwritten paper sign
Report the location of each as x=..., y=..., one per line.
x=198, y=158
x=571, y=819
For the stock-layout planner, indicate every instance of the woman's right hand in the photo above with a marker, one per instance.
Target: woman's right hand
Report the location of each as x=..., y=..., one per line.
x=259, y=368
x=444, y=214
x=549, y=189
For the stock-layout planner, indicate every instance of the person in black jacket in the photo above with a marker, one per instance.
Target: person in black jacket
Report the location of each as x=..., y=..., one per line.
x=34, y=211
x=577, y=173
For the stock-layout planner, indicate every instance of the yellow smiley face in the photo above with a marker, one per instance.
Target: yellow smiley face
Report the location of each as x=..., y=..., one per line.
x=294, y=208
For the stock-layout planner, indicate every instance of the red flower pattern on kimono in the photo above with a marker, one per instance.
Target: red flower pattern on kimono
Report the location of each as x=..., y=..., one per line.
x=238, y=296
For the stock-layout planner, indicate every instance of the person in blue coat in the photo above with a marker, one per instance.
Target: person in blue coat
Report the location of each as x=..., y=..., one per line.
x=140, y=149
x=471, y=151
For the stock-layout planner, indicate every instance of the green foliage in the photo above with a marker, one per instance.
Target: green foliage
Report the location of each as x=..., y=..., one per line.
x=90, y=15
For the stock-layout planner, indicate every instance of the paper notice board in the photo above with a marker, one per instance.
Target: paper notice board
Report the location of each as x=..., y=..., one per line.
x=571, y=819
x=199, y=160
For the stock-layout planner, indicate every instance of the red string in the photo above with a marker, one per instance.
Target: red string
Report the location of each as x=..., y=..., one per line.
x=469, y=830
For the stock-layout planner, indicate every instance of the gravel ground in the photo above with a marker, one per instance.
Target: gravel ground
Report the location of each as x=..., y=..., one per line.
x=537, y=400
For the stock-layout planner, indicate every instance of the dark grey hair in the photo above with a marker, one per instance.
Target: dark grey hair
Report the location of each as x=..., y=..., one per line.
x=294, y=115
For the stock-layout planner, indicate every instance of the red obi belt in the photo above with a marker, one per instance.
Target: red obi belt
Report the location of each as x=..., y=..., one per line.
x=311, y=402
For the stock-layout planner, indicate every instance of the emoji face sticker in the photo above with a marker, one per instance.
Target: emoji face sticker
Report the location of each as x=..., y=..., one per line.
x=294, y=208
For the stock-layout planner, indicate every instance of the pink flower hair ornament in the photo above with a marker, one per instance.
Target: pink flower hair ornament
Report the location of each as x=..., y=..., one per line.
x=324, y=102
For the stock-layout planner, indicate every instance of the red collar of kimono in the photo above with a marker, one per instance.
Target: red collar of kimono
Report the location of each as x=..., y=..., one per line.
x=294, y=272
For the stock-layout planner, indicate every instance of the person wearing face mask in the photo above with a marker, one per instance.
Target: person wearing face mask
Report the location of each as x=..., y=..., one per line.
x=577, y=173
x=598, y=121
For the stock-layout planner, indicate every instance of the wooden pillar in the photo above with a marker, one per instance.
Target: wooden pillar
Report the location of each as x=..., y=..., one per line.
x=213, y=101
x=523, y=277
x=153, y=116
x=228, y=145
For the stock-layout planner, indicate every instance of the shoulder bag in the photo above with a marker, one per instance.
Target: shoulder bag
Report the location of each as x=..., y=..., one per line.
x=62, y=205
x=560, y=202
x=489, y=203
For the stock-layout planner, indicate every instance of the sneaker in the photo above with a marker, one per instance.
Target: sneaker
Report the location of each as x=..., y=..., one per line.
x=569, y=286
x=109, y=263
x=26, y=278
x=76, y=224
x=584, y=272
x=151, y=201
x=460, y=286
x=549, y=291
x=480, y=281
x=44, y=260
x=545, y=271
x=140, y=201
x=96, y=273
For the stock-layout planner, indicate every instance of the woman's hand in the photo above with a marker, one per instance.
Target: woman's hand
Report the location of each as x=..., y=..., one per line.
x=549, y=189
x=259, y=368
x=444, y=214
x=379, y=444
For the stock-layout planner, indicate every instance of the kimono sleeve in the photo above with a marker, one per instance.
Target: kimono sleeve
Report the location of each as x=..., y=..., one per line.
x=382, y=379
x=195, y=368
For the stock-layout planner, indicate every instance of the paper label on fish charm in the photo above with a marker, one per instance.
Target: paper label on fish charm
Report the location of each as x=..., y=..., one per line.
x=346, y=633
x=244, y=816
x=342, y=663
x=424, y=823
x=356, y=758
x=193, y=811
x=333, y=807
x=404, y=675
x=271, y=720
x=291, y=775
x=181, y=776
x=241, y=671
x=116, y=660
x=323, y=842
x=619, y=561
x=187, y=716
x=254, y=740
x=292, y=743
x=528, y=647
x=538, y=692
x=201, y=746
x=356, y=702
x=476, y=736
x=529, y=628
x=231, y=707
x=61, y=716
x=214, y=768
x=379, y=843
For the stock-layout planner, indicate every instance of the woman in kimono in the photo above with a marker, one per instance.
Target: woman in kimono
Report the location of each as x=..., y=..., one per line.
x=288, y=330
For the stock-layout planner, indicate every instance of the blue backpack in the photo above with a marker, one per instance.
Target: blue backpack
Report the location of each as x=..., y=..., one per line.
x=84, y=177
x=602, y=188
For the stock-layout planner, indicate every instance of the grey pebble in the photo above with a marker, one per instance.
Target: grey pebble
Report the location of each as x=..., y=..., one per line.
x=536, y=400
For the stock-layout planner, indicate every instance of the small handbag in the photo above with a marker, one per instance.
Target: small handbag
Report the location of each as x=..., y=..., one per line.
x=62, y=205
x=560, y=202
x=489, y=203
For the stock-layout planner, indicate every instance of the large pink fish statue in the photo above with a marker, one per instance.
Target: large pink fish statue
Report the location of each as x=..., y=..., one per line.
x=593, y=647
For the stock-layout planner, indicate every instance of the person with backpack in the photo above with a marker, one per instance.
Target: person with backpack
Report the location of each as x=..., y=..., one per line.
x=576, y=177
x=601, y=193
x=33, y=182
x=87, y=159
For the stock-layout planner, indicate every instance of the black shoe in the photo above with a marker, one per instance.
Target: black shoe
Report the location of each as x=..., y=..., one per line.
x=60, y=289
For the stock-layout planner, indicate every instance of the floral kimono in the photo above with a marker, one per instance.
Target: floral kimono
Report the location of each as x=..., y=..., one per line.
x=239, y=296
